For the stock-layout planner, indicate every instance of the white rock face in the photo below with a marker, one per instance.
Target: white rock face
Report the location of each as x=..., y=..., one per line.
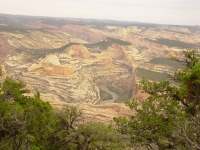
x=3, y=70
x=53, y=59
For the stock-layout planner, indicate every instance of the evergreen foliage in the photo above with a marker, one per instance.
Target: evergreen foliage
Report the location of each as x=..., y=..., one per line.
x=28, y=123
x=25, y=122
x=169, y=117
x=74, y=133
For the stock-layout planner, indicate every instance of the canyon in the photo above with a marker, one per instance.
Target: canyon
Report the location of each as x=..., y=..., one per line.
x=73, y=61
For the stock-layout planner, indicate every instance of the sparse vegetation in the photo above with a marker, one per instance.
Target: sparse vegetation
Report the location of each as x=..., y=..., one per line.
x=166, y=62
x=159, y=76
x=103, y=45
x=151, y=75
x=105, y=95
x=174, y=43
x=113, y=89
x=124, y=97
x=36, y=54
x=12, y=29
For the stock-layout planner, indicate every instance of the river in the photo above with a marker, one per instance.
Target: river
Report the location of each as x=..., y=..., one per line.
x=103, y=87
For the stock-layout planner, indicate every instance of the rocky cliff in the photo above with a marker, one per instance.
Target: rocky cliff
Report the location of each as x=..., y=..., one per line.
x=70, y=59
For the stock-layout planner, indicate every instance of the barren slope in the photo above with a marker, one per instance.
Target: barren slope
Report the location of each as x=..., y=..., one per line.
x=71, y=58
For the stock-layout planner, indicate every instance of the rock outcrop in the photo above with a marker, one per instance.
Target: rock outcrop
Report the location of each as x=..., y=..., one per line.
x=68, y=58
x=97, y=113
x=2, y=71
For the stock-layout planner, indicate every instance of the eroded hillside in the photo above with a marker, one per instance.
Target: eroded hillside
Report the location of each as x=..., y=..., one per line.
x=78, y=61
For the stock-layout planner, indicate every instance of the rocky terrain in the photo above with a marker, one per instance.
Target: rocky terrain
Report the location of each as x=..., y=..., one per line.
x=97, y=113
x=76, y=60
